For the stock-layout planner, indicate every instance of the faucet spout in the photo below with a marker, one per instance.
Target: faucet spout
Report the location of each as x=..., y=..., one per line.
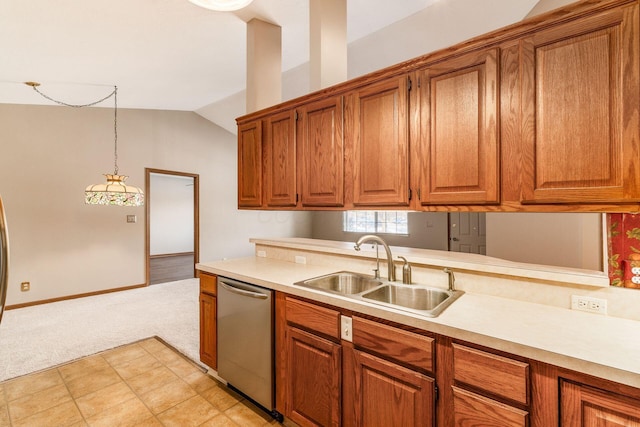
x=391, y=269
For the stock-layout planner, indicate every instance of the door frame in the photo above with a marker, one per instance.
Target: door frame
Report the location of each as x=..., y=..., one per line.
x=196, y=217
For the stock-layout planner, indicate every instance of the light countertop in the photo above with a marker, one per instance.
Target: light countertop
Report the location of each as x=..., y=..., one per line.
x=602, y=346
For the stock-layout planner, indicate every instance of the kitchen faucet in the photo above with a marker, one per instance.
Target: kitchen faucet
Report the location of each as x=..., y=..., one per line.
x=391, y=268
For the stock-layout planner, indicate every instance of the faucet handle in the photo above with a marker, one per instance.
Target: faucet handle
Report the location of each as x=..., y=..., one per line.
x=406, y=271
x=452, y=278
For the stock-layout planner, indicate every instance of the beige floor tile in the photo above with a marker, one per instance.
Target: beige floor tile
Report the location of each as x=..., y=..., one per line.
x=200, y=381
x=160, y=399
x=134, y=367
x=128, y=413
x=149, y=422
x=65, y=414
x=4, y=416
x=220, y=421
x=123, y=354
x=32, y=383
x=168, y=356
x=192, y=412
x=97, y=380
x=183, y=368
x=82, y=367
x=101, y=400
x=247, y=415
x=152, y=345
x=151, y=380
x=221, y=397
x=38, y=402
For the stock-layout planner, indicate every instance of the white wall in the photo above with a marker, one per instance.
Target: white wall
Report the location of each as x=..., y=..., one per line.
x=428, y=230
x=171, y=203
x=48, y=155
x=562, y=239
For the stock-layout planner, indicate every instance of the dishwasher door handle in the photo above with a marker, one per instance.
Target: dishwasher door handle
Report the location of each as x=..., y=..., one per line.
x=243, y=292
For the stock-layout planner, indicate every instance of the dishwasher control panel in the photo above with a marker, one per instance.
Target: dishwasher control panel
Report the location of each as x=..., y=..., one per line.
x=346, y=328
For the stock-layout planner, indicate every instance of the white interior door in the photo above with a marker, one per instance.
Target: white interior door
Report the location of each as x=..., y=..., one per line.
x=468, y=232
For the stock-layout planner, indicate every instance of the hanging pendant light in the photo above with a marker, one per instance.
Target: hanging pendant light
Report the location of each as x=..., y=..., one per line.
x=114, y=191
x=222, y=5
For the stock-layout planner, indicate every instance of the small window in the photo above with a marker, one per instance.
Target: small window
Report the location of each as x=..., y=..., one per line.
x=388, y=222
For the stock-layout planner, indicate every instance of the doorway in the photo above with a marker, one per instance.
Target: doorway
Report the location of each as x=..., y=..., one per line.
x=468, y=232
x=172, y=225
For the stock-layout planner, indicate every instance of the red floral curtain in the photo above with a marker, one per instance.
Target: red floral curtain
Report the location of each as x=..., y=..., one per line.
x=623, y=244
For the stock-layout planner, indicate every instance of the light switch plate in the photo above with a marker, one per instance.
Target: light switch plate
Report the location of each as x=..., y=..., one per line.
x=132, y=219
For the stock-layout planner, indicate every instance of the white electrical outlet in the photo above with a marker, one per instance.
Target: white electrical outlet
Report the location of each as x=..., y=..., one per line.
x=262, y=254
x=301, y=259
x=589, y=304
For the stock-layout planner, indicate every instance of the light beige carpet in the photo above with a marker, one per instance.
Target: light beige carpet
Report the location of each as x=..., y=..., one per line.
x=42, y=336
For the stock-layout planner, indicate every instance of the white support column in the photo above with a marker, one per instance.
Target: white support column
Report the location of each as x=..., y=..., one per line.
x=264, y=65
x=328, y=42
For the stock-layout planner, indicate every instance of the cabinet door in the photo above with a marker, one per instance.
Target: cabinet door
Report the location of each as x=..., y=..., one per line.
x=208, y=332
x=314, y=379
x=280, y=160
x=387, y=394
x=250, y=164
x=381, y=144
x=589, y=407
x=471, y=409
x=580, y=102
x=460, y=131
x=321, y=147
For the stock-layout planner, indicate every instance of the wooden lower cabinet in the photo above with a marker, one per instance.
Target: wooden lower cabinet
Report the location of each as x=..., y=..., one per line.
x=376, y=381
x=387, y=394
x=313, y=379
x=471, y=409
x=586, y=406
x=387, y=377
x=208, y=328
x=488, y=389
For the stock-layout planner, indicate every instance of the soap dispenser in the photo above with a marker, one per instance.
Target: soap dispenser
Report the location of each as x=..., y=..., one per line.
x=406, y=271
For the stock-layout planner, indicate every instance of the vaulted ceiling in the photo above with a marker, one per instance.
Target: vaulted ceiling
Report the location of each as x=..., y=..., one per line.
x=171, y=54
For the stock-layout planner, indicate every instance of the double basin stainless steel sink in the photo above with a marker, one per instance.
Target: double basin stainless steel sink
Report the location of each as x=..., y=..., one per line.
x=418, y=299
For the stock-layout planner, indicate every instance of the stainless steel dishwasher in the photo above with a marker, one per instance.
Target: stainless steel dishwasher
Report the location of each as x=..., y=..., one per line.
x=245, y=340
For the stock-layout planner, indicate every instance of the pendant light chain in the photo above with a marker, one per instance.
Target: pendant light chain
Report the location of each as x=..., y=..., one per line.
x=115, y=191
x=34, y=86
x=115, y=128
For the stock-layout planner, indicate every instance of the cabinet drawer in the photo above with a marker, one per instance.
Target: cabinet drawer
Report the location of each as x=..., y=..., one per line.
x=473, y=409
x=208, y=284
x=494, y=374
x=402, y=346
x=312, y=317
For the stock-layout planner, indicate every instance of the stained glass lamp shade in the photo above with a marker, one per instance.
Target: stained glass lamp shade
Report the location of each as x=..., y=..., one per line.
x=115, y=192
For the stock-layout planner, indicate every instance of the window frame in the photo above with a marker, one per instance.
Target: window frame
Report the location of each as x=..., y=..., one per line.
x=377, y=221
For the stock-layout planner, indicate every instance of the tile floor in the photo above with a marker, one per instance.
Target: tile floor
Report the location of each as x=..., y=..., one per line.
x=142, y=384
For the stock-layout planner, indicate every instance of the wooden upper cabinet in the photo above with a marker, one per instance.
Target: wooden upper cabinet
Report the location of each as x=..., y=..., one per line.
x=381, y=143
x=580, y=99
x=250, y=164
x=460, y=130
x=280, y=160
x=321, y=153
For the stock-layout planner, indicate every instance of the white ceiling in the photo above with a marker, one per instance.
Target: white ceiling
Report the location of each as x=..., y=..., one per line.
x=162, y=54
